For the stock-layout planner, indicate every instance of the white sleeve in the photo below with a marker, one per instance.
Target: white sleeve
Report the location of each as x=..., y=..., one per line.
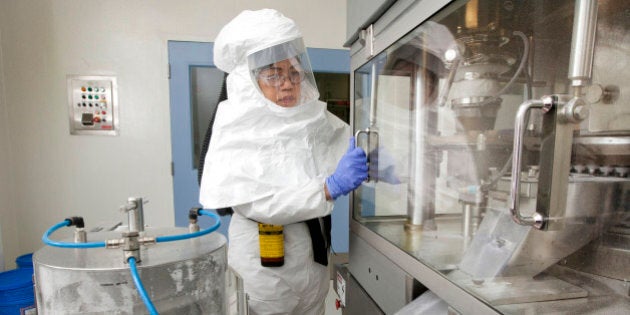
x=289, y=205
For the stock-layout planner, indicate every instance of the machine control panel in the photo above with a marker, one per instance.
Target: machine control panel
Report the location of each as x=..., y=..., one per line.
x=93, y=105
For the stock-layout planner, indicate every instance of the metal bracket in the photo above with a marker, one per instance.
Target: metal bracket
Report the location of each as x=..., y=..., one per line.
x=366, y=36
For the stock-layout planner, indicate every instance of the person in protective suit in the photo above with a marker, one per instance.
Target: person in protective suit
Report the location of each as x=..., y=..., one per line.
x=276, y=156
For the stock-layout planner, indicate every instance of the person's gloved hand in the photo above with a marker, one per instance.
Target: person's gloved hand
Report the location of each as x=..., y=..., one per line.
x=351, y=171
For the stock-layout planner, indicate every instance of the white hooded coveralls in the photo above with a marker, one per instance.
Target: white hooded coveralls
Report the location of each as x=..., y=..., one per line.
x=269, y=164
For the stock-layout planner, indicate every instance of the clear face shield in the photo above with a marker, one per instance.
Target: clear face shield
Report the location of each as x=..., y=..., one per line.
x=283, y=73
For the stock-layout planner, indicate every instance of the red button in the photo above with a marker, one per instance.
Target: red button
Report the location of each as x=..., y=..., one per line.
x=337, y=304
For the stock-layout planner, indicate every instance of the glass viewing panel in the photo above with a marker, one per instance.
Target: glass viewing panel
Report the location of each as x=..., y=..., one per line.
x=436, y=113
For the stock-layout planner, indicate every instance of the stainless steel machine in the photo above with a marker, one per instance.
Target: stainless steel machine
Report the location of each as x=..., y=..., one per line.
x=187, y=276
x=498, y=140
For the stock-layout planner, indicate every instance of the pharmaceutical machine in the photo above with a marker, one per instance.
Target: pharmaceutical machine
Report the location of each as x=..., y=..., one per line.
x=498, y=140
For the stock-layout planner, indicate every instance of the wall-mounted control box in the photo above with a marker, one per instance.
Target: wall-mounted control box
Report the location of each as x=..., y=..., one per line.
x=93, y=105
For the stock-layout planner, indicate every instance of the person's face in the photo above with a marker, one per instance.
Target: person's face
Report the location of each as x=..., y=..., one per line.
x=280, y=82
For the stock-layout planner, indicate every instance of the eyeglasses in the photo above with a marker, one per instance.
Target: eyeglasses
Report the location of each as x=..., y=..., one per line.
x=272, y=77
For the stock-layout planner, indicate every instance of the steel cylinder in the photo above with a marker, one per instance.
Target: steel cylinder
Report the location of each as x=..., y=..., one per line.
x=583, y=42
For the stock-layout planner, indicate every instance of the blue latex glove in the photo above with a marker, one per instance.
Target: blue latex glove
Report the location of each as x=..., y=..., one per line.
x=351, y=171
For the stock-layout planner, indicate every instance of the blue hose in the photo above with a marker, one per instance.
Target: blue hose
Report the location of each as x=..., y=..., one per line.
x=59, y=225
x=158, y=239
x=140, y=287
x=178, y=237
x=132, y=260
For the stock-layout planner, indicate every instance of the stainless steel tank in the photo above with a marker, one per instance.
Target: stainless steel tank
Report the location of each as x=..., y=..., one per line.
x=181, y=277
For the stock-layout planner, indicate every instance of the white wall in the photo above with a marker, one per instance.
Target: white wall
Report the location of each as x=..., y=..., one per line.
x=7, y=217
x=46, y=174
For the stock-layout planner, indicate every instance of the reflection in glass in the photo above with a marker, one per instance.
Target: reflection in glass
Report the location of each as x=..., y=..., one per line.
x=205, y=90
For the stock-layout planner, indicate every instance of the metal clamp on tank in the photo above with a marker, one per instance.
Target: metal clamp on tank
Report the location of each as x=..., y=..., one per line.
x=130, y=243
x=131, y=240
x=131, y=246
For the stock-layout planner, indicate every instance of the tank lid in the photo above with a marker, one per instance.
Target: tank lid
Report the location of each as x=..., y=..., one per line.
x=151, y=255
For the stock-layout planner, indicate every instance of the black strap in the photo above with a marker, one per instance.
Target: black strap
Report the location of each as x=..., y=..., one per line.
x=319, y=240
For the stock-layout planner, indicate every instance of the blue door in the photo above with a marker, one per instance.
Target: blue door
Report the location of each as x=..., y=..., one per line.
x=195, y=85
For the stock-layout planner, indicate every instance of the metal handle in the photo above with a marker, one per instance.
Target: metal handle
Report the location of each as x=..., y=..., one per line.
x=372, y=154
x=359, y=132
x=520, y=124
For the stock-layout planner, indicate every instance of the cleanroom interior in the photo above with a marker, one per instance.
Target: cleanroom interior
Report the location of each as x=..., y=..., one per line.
x=47, y=174
x=495, y=137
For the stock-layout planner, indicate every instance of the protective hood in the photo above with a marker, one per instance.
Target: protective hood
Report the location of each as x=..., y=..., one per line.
x=258, y=147
x=248, y=32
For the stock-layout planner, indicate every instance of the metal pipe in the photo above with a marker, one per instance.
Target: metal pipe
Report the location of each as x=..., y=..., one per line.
x=80, y=235
x=373, y=96
x=446, y=88
x=420, y=207
x=135, y=214
x=583, y=42
x=466, y=225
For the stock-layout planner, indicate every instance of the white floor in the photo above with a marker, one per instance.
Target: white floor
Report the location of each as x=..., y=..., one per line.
x=330, y=301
